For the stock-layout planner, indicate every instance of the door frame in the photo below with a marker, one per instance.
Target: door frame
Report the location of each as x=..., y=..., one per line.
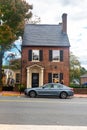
x=34, y=69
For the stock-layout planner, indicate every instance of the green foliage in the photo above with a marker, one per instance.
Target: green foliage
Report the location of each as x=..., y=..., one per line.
x=13, y=14
x=75, y=68
x=15, y=64
x=6, y=36
x=83, y=70
x=74, y=85
x=21, y=87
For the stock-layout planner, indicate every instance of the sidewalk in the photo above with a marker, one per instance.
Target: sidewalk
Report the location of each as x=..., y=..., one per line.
x=80, y=95
x=40, y=127
x=11, y=93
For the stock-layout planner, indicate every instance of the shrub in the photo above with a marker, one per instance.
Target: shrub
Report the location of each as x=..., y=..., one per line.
x=21, y=87
x=77, y=86
x=74, y=85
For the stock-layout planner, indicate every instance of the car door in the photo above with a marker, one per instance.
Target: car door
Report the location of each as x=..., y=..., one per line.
x=45, y=90
x=54, y=89
x=57, y=88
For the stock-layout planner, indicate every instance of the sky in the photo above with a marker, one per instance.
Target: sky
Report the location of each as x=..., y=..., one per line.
x=50, y=12
x=13, y=51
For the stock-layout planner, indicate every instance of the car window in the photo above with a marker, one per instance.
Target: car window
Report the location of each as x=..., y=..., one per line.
x=57, y=86
x=48, y=86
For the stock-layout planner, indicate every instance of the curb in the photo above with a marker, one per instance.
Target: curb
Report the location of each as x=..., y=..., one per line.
x=6, y=94
x=22, y=94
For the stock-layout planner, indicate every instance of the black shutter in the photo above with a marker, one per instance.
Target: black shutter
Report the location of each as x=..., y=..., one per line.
x=49, y=77
x=30, y=55
x=41, y=55
x=61, y=77
x=61, y=55
x=50, y=55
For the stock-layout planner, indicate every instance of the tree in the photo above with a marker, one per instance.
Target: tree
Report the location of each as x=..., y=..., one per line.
x=34, y=20
x=13, y=14
x=83, y=70
x=74, y=67
x=15, y=64
x=76, y=70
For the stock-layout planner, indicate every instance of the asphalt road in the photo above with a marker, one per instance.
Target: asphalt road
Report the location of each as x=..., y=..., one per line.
x=43, y=111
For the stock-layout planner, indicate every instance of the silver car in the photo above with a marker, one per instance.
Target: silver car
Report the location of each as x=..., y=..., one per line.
x=50, y=89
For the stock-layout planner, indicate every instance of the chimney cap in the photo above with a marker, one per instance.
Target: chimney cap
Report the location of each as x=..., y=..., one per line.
x=64, y=14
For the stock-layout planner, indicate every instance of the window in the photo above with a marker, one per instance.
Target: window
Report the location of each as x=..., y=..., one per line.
x=35, y=55
x=56, y=78
x=17, y=77
x=56, y=55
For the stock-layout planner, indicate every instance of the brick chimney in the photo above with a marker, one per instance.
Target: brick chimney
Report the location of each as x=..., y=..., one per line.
x=64, y=23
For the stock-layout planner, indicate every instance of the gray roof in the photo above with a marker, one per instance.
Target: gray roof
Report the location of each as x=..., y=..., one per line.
x=84, y=76
x=44, y=35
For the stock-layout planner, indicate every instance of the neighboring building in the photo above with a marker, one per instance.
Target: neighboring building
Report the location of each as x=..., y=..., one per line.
x=11, y=77
x=83, y=79
x=45, y=54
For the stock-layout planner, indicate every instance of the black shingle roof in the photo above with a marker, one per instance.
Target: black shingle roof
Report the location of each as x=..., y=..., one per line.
x=44, y=35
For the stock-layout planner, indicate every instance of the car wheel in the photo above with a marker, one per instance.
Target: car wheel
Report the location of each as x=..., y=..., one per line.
x=32, y=94
x=63, y=95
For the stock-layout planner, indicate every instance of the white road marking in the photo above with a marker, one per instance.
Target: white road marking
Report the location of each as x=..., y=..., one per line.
x=43, y=101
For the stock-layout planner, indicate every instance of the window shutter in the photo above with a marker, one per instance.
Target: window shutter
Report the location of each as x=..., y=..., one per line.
x=61, y=77
x=49, y=77
x=30, y=55
x=61, y=55
x=41, y=55
x=50, y=55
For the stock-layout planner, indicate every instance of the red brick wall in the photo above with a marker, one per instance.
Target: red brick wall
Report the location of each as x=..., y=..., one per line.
x=49, y=67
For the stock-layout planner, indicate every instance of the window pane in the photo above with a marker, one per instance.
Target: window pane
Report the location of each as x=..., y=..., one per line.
x=56, y=55
x=35, y=54
x=56, y=86
x=55, y=75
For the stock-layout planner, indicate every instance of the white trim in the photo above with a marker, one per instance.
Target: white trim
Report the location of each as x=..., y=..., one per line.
x=34, y=69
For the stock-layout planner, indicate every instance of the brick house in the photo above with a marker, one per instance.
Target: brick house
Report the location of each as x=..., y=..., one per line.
x=45, y=54
x=83, y=79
